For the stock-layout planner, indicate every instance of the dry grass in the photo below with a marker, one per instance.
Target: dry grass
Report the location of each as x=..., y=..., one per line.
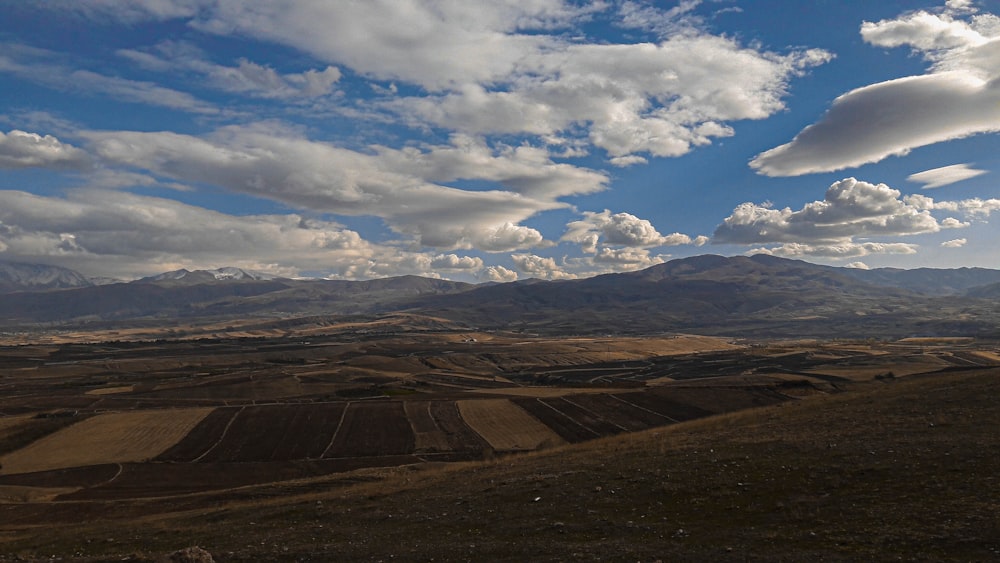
x=9, y=422
x=862, y=373
x=506, y=426
x=15, y=493
x=897, y=471
x=106, y=438
x=111, y=390
x=986, y=355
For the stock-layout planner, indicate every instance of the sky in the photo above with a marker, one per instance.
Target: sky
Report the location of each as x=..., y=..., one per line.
x=496, y=140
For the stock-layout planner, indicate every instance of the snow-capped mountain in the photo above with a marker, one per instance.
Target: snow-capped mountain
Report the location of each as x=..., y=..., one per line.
x=231, y=273
x=228, y=273
x=16, y=276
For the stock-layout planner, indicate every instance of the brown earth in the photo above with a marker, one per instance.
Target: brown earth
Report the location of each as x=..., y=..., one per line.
x=891, y=470
x=280, y=416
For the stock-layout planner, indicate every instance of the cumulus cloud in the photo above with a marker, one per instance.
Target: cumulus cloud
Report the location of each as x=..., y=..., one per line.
x=977, y=208
x=955, y=243
x=973, y=208
x=540, y=267
x=850, y=209
x=626, y=258
x=20, y=149
x=851, y=212
x=959, y=96
x=497, y=274
x=455, y=262
x=858, y=266
x=619, y=229
x=944, y=176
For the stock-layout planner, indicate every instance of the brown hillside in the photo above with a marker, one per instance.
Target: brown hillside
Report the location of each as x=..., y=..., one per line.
x=903, y=469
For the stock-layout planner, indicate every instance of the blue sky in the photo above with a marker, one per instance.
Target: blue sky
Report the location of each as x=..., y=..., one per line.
x=499, y=140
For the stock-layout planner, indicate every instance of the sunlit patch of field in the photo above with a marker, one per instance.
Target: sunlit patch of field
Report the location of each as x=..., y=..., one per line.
x=900, y=368
x=986, y=355
x=506, y=426
x=111, y=390
x=926, y=340
x=106, y=438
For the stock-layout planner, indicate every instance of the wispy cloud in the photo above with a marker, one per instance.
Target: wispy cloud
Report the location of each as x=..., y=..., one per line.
x=944, y=176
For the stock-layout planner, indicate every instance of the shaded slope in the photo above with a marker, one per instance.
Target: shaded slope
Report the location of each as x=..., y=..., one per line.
x=759, y=295
x=902, y=470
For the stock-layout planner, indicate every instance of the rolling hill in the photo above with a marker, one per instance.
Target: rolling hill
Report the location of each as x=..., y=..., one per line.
x=762, y=295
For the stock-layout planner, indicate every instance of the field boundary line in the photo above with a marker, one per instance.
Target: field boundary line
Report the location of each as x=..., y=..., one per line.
x=222, y=437
x=121, y=469
x=340, y=423
x=659, y=414
x=597, y=416
x=570, y=418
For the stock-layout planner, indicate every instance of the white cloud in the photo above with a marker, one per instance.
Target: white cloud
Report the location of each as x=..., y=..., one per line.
x=111, y=233
x=504, y=238
x=498, y=274
x=625, y=161
x=958, y=97
x=836, y=251
x=858, y=266
x=944, y=176
x=20, y=149
x=121, y=234
x=246, y=77
x=619, y=229
x=42, y=67
x=455, y=262
x=661, y=99
x=399, y=185
x=850, y=209
x=540, y=267
x=974, y=208
x=851, y=213
x=526, y=67
x=133, y=11
x=955, y=243
x=953, y=223
x=626, y=258
x=977, y=208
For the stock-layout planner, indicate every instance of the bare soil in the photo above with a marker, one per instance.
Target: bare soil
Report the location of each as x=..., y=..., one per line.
x=421, y=438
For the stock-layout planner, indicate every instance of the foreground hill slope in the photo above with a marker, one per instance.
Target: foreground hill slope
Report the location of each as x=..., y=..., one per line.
x=898, y=469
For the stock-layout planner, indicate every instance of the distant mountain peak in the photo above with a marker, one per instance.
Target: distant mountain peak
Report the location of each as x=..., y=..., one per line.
x=226, y=273
x=17, y=276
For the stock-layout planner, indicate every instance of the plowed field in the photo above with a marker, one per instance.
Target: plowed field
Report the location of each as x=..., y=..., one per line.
x=372, y=429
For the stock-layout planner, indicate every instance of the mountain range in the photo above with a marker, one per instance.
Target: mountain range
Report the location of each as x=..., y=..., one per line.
x=740, y=296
